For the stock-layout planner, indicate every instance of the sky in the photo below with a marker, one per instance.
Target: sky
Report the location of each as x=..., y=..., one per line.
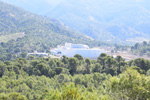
x=44, y=6
x=35, y=6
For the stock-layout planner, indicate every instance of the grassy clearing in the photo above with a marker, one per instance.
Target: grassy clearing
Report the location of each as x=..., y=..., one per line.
x=6, y=38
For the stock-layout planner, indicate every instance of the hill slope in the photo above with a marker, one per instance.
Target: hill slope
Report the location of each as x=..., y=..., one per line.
x=22, y=32
x=38, y=29
x=107, y=20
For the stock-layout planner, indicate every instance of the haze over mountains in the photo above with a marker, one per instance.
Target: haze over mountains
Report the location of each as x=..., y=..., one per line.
x=105, y=20
x=30, y=32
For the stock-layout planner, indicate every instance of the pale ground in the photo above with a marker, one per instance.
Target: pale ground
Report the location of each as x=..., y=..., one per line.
x=127, y=56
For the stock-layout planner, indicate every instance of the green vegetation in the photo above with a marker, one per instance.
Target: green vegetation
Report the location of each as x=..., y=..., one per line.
x=25, y=77
x=38, y=30
x=75, y=78
x=141, y=48
x=6, y=38
x=40, y=33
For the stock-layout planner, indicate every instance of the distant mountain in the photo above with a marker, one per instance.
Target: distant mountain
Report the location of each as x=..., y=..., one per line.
x=115, y=20
x=37, y=32
x=106, y=20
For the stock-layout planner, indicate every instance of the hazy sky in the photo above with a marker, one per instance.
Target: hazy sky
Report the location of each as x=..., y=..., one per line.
x=43, y=6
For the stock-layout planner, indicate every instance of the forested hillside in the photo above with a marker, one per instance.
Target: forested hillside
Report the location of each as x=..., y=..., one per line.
x=107, y=20
x=106, y=78
x=15, y=20
x=22, y=31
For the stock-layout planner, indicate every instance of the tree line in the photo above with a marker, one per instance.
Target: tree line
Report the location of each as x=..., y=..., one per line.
x=141, y=48
x=76, y=78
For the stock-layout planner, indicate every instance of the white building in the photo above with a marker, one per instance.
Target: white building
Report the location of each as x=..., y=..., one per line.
x=70, y=50
x=38, y=53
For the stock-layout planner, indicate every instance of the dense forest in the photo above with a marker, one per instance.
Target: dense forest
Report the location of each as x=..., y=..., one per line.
x=76, y=78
